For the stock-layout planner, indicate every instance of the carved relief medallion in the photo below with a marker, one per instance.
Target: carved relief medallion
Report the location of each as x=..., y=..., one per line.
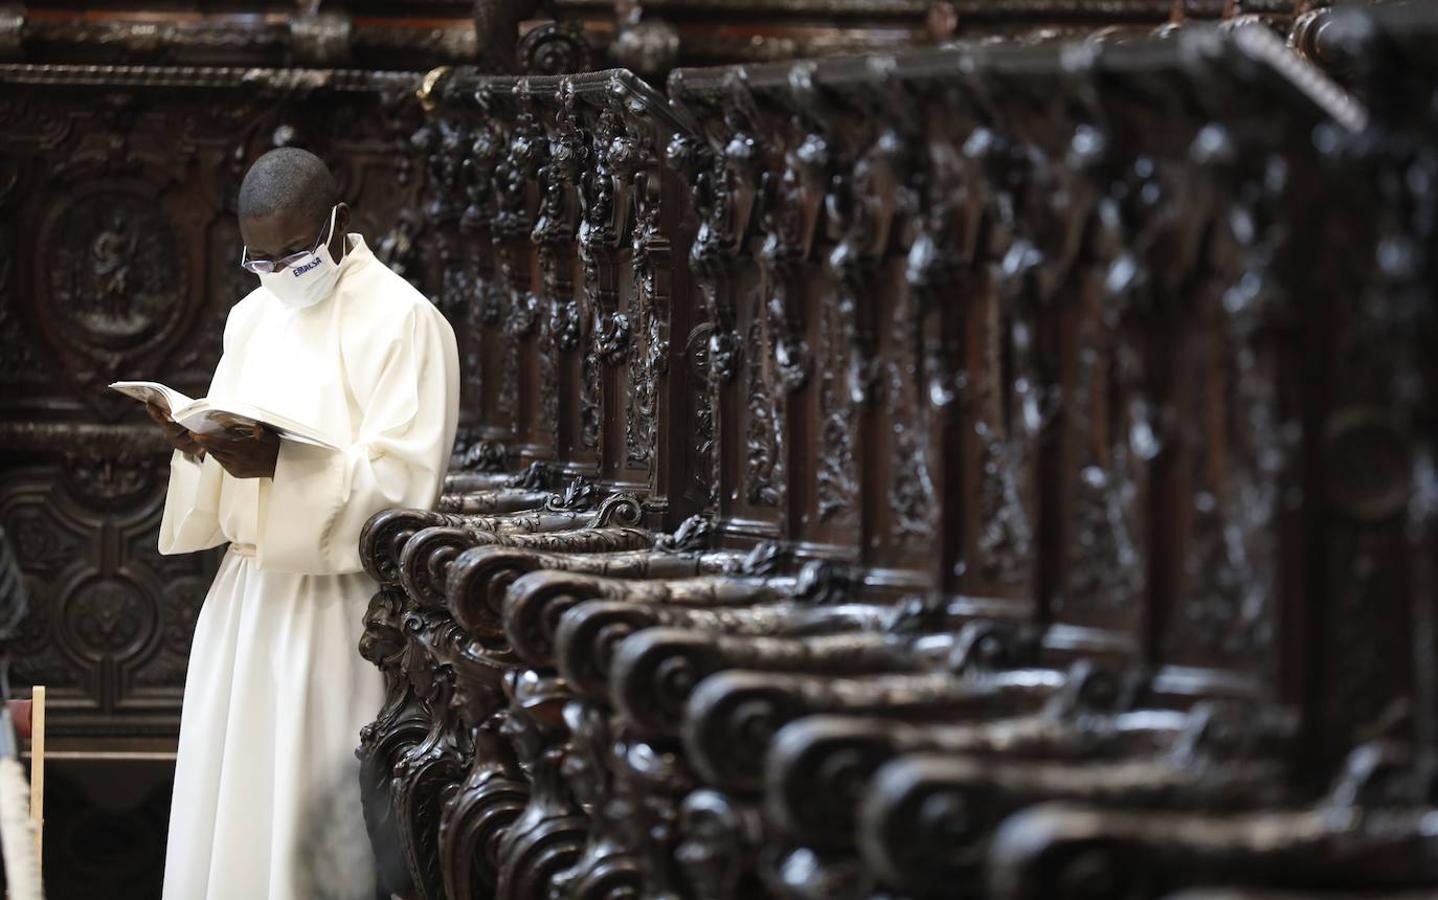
x=115, y=271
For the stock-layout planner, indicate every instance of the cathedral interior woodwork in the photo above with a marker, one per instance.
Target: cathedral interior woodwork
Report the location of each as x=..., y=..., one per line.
x=908, y=448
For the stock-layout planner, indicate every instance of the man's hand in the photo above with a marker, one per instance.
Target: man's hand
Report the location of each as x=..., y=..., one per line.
x=180, y=437
x=249, y=456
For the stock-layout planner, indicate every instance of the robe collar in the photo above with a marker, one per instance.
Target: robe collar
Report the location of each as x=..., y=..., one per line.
x=356, y=252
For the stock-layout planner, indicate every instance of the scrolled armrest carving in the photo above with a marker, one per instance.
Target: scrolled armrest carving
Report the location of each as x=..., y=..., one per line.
x=654, y=672
x=467, y=482
x=481, y=469
x=588, y=634
x=1263, y=894
x=927, y=819
x=425, y=561
x=481, y=576
x=429, y=555
x=385, y=535
x=587, y=540
x=534, y=603
x=732, y=716
x=503, y=500
x=477, y=581
x=424, y=544
x=619, y=510
x=1051, y=851
x=819, y=768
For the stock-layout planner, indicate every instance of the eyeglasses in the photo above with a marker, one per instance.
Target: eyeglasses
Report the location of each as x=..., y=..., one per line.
x=266, y=266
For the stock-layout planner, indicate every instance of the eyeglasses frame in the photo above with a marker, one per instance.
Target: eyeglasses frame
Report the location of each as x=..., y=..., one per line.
x=271, y=266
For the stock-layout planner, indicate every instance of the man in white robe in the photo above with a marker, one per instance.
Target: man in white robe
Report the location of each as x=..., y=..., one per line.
x=266, y=801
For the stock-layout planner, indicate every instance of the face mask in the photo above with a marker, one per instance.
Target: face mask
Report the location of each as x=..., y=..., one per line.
x=309, y=279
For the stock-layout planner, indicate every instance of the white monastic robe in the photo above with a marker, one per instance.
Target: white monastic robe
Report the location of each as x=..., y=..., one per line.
x=266, y=803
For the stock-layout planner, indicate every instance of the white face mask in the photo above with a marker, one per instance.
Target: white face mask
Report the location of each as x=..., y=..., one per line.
x=309, y=279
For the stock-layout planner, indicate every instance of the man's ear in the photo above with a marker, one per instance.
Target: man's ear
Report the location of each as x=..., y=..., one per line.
x=339, y=246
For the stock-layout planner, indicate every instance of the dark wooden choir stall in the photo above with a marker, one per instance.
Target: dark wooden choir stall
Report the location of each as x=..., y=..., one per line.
x=1002, y=469
x=125, y=128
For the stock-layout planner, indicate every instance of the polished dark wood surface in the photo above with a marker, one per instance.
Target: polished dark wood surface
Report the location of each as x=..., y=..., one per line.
x=1033, y=504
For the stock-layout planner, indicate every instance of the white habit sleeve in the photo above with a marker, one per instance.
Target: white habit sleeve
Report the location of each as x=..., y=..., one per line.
x=192, y=504
x=320, y=499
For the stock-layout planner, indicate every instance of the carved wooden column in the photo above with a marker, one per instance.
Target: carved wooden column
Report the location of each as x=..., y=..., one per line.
x=719, y=166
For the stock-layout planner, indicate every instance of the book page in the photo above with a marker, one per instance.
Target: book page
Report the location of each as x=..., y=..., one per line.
x=166, y=398
x=227, y=417
x=238, y=420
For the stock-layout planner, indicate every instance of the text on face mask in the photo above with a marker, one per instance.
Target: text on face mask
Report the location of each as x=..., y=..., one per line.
x=300, y=270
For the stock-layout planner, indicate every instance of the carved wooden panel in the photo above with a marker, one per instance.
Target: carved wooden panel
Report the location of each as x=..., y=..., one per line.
x=568, y=233
x=118, y=259
x=1055, y=415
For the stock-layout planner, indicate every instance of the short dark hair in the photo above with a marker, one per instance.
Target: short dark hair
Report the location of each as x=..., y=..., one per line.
x=288, y=178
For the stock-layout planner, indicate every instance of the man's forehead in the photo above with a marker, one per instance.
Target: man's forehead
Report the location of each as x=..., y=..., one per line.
x=278, y=230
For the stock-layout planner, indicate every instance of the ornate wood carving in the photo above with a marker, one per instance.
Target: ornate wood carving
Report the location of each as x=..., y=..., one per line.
x=117, y=260
x=1064, y=470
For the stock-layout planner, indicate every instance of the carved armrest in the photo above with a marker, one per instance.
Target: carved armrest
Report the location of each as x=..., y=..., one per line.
x=655, y=671
x=818, y=769
x=535, y=602
x=384, y=536
x=927, y=819
x=537, y=476
x=587, y=635
x=1244, y=893
x=560, y=514
x=588, y=540
x=732, y=716
x=428, y=555
x=1057, y=851
x=387, y=533
x=470, y=482
x=481, y=576
x=502, y=500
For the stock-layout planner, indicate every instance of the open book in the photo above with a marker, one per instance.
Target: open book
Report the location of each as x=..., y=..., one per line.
x=203, y=417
